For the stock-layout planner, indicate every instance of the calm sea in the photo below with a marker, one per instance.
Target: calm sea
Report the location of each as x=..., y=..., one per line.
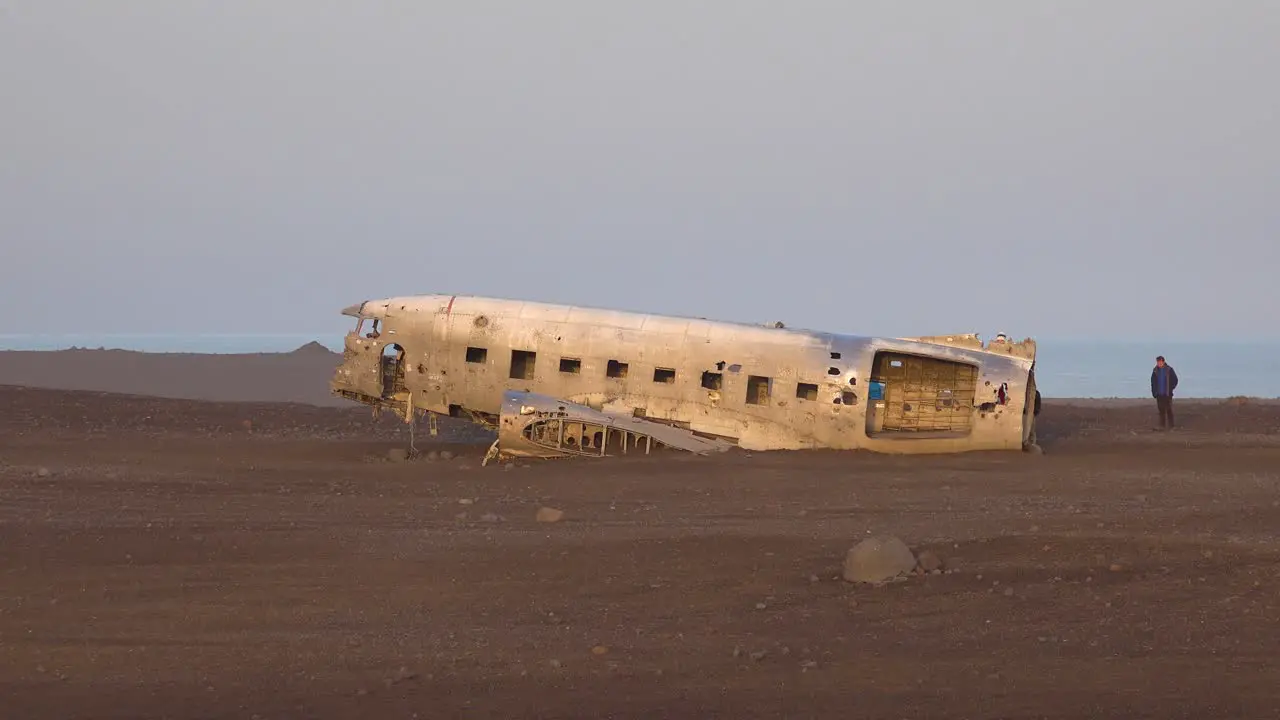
x=1063, y=369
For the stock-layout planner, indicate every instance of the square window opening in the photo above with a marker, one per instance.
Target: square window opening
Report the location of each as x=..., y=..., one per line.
x=667, y=376
x=522, y=364
x=806, y=391
x=758, y=389
x=570, y=365
x=616, y=369
x=712, y=380
x=477, y=355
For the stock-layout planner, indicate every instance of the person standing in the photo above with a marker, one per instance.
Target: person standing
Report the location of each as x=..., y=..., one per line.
x=1164, y=380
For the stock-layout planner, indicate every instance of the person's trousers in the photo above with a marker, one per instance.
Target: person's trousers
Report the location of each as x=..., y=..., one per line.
x=1165, y=405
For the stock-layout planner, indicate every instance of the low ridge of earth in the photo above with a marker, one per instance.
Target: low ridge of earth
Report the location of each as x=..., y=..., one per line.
x=188, y=559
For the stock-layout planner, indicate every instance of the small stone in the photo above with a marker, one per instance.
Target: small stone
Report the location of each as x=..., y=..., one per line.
x=1008, y=592
x=433, y=456
x=466, y=501
x=554, y=663
x=549, y=515
x=508, y=467
x=43, y=472
x=446, y=455
x=599, y=650
x=809, y=665
x=813, y=578
x=490, y=518
x=761, y=606
x=738, y=651
x=853, y=604
x=929, y=561
x=1116, y=567
x=759, y=655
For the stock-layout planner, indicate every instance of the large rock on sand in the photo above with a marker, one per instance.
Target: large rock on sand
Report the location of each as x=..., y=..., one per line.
x=877, y=560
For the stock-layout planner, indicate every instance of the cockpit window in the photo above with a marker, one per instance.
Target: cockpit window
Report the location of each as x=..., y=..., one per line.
x=374, y=331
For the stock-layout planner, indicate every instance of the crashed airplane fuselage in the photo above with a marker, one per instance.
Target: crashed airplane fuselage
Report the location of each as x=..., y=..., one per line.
x=721, y=384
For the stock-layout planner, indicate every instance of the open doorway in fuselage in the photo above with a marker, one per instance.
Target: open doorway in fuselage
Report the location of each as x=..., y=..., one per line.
x=914, y=396
x=392, y=370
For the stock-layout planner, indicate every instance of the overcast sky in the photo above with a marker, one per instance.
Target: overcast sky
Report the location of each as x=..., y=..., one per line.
x=1053, y=169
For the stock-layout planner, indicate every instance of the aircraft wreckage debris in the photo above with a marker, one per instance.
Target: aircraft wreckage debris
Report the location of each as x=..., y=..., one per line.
x=556, y=381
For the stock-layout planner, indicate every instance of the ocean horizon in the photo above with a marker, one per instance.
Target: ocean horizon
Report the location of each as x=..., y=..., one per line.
x=1064, y=368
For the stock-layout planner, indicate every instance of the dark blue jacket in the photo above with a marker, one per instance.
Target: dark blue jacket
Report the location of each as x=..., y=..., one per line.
x=1163, y=381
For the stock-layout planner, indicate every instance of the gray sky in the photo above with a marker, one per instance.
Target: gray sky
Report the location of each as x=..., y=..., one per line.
x=1054, y=169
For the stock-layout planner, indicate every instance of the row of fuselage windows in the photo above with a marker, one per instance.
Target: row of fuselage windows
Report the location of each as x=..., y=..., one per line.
x=759, y=387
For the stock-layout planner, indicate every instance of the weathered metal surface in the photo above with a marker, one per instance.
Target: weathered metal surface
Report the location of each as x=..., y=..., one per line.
x=761, y=388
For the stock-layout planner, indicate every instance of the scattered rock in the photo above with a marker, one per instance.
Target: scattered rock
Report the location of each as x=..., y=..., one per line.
x=403, y=675
x=43, y=472
x=398, y=455
x=877, y=560
x=549, y=515
x=929, y=561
